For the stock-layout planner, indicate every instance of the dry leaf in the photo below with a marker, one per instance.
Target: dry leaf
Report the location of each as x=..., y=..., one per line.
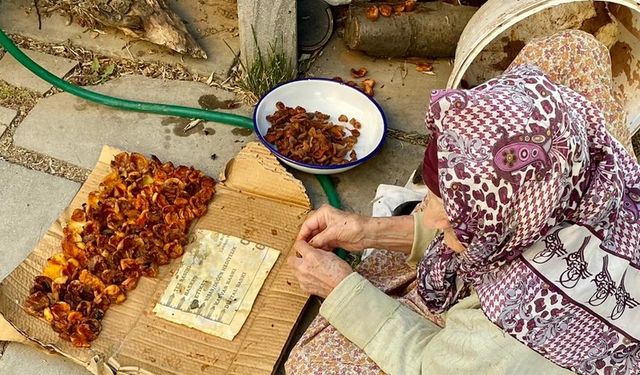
x=367, y=86
x=191, y=125
x=424, y=67
x=359, y=73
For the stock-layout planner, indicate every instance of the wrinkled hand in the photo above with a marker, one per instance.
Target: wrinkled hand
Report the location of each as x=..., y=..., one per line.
x=317, y=271
x=328, y=228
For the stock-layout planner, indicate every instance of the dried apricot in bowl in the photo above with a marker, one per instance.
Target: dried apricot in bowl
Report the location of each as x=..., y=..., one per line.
x=310, y=137
x=332, y=99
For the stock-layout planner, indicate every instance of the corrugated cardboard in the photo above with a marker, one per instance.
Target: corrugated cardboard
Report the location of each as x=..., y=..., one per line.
x=257, y=200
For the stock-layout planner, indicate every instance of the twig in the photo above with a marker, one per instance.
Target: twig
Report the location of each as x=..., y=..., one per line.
x=404, y=71
x=52, y=8
x=35, y=3
x=128, y=50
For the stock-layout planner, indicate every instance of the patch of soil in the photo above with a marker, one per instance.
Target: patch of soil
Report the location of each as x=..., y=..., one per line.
x=212, y=102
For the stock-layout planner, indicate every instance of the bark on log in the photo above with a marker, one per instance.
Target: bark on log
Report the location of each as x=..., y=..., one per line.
x=431, y=30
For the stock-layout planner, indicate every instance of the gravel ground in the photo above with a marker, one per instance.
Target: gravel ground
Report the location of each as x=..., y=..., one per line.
x=409, y=137
x=95, y=68
x=43, y=163
x=23, y=100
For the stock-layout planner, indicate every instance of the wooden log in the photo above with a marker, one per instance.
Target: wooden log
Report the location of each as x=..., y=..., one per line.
x=150, y=20
x=431, y=30
x=270, y=23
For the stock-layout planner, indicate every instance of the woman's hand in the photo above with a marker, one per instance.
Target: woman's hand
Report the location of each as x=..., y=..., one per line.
x=317, y=271
x=328, y=228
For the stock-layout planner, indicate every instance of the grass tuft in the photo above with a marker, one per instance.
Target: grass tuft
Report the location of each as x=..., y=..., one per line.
x=265, y=71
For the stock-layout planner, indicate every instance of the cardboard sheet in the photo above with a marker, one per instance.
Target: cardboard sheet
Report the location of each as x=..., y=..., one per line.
x=257, y=200
x=219, y=279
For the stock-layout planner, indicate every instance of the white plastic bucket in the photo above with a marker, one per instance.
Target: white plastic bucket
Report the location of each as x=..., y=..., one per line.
x=497, y=17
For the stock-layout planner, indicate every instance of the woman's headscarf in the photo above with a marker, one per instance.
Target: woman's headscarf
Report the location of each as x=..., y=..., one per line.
x=547, y=204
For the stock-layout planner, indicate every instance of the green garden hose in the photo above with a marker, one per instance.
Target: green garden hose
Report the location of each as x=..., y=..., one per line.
x=124, y=104
x=157, y=108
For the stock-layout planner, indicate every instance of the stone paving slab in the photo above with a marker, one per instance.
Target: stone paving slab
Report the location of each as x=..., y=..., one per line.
x=6, y=116
x=31, y=201
x=213, y=22
x=21, y=359
x=403, y=100
x=74, y=130
x=11, y=71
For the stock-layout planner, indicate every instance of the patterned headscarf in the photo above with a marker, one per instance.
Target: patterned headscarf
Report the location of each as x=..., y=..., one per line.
x=547, y=205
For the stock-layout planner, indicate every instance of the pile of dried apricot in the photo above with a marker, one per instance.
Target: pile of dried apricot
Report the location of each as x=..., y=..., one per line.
x=310, y=137
x=137, y=221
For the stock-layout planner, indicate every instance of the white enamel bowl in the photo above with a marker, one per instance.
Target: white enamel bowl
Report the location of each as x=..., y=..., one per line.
x=334, y=99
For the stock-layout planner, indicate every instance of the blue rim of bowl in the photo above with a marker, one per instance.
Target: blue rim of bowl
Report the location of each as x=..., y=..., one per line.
x=315, y=166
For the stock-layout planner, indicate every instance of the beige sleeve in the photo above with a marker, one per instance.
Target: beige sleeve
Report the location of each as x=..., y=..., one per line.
x=422, y=237
x=400, y=341
x=391, y=334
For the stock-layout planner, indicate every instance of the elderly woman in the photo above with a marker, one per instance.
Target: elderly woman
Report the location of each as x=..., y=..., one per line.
x=531, y=230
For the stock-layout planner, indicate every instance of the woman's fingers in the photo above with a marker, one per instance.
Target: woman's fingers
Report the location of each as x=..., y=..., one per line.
x=316, y=222
x=313, y=224
x=294, y=262
x=324, y=239
x=302, y=248
x=317, y=272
